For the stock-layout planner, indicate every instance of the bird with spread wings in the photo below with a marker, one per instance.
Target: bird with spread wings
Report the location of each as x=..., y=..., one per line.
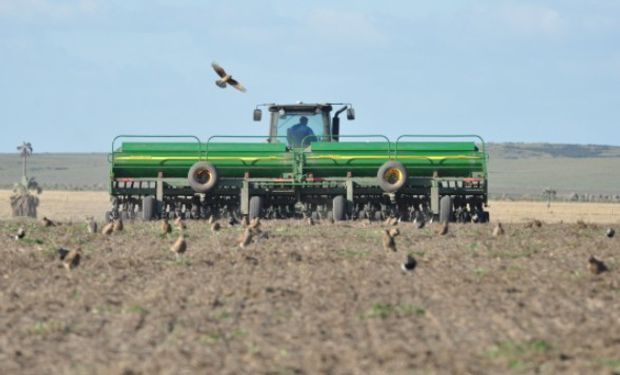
x=226, y=78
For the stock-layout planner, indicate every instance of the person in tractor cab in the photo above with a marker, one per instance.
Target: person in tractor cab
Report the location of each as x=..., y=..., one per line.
x=299, y=133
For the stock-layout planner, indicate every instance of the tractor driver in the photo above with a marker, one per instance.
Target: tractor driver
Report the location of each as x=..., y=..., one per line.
x=299, y=133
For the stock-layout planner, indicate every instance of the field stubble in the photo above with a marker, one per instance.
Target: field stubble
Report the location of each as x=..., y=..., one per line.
x=310, y=299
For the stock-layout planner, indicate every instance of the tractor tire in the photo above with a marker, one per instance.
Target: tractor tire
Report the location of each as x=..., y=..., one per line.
x=339, y=208
x=148, y=208
x=256, y=207
x=445, y=209
x=392, y=176
x=202, y=177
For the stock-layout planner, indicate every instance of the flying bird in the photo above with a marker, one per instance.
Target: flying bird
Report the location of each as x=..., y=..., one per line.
x=596, y=266
x=21, y=233
x=409, y=264
x=226, y=78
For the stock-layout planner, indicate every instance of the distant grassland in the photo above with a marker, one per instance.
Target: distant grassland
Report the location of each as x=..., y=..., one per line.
x=516, y=169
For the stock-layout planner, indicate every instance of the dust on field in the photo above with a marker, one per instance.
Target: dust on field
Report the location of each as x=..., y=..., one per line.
x=74, y=206
x=310, y=299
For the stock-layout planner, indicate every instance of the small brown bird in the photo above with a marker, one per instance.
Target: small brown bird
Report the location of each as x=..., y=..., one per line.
x=534, y=224
x=21, y=233
x=246, y=238
x=498, y=230
x=596, y=266
x=226, y=78
x=443, y=229
x=47, y=222
x=91, y=225
x=215, y=227
x=118, y=225
x=211, y=220
x=179, y=246
x=255, y=223
x=389, y=243
x=108, y=228
x=180, y=223
x=165, y=226
x=70, y=259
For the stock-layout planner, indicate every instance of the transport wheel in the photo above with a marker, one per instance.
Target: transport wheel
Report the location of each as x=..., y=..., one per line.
x=445, y=209
x=148, y=208
x=256, y=207
x=392, y=176
x=202, y=176
x=339, y=208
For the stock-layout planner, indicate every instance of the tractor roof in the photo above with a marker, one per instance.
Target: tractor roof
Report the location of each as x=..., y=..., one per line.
x=301, y=107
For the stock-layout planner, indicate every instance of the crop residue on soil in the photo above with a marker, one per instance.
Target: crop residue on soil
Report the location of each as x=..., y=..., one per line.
x=309, y=299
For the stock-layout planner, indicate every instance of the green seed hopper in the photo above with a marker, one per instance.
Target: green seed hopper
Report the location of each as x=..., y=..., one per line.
x=303, y=167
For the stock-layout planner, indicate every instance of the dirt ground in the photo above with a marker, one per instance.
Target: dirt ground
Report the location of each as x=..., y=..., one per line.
x=310, y=299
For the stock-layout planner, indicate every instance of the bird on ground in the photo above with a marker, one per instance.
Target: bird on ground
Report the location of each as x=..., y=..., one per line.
x=118, y=225
x=443, y=229
x=419, y=222
x=610, y=232
x=310, y=220
x=389, y=243
x=226, y=78
x=47, y=222
x=409, y=264
x=596, y=266
x=215, y=227
x=394, y=232
x=246, y=238
x=180, y=223
x=534, y=224
x=498, y=230
x=70, y=258
x=108, y=228
x=91, y=225
x=581, y=224
x=21, y=233
x=179, y=246
x=165, y=226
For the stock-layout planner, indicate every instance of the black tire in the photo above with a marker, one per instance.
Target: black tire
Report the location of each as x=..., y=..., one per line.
x=339, y=208
x=148, y=208
x=445, y=209
x=392, y=176
x=256, y=207
x=202, y=177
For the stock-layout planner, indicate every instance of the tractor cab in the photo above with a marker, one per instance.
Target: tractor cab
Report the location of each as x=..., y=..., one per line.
x=299, y=125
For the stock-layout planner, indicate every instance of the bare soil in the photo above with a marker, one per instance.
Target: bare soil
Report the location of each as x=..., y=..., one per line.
x=310, y=299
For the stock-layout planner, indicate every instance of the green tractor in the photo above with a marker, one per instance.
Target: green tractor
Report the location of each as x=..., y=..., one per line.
x=303, y=167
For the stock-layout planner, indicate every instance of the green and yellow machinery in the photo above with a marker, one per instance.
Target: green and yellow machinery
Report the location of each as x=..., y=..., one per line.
x=325, y=174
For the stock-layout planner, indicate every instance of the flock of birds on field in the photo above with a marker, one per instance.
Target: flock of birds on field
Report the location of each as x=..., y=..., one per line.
x=252, y=230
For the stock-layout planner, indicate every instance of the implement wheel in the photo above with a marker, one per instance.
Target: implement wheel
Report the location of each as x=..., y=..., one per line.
x=392, y=176
x=256, y=207
x=339, y=208
x=202, y=176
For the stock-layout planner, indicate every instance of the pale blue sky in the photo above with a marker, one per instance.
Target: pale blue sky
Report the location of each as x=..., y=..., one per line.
x=73, y=74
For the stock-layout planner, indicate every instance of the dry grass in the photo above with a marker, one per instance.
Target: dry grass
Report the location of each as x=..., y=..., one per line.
x=66, y=205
